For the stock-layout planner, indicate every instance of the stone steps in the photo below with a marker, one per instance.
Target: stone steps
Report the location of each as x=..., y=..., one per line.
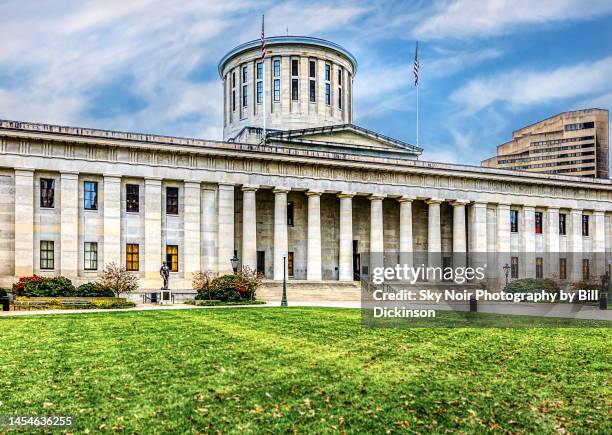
x=271, y=291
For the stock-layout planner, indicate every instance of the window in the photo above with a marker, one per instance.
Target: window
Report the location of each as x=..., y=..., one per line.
x=172, y=257
x=340, y=77
x=276, y=67
x=294, y=67
x=259, y=92
x=290, y=264
x=290, y=214
x=514, y=221
x=339, y=98
x=276, y=90
x=132, y=257
x=313, y=69
x=327, y=72
x=261, y=262
x=538, y=222
x=91, y=255
x=295, y=95
x=245, y=74
x=234, y=100
x=514, y=267
x=586, y=272
x=47, y=192
x=312, y=91
x=233, y=79
x=539, y=267
x=562, y=268
x=562, y=224
x=234, y=90
x=245, y=97
x=259, y=70
x=91, y=195
x=172, y=200
x=47, y=254
x=585, y=225
x=132, y=198
x=327, y=94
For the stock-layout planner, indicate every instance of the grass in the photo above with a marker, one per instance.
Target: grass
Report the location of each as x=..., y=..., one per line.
x=244, y=370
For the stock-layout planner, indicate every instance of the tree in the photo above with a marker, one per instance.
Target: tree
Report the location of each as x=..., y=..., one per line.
x=202, y=282
x=118, y=279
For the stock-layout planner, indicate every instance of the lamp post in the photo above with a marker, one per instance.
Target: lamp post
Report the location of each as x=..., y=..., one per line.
x=284, y=299
x=506, y=272
x=234, y=261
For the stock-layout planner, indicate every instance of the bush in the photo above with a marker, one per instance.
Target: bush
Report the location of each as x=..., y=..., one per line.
x=93, y=290
x=37, y=286
x=2, y=292
x=118, y=280
x=591, y=284
x=532, y=285
x=214, y=302
x=112, y=303
x=239, y=287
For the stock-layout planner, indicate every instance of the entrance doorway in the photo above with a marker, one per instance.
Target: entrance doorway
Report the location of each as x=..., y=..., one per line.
x=261, y=262
x=356, y=261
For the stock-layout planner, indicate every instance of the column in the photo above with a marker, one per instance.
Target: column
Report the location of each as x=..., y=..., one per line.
x=377, y=238
x=249, y=228
x=528, y=243
x=69, y=224
x=575, y=245
x=345, y=261
x=459, y=235
x=405, y=230
x=280, y=232
x=551, y=243
x=434, y=242
x=24, y=222
x=313, y=265
x=153, y=241
x=191, y=230
x=503, y=242
x=599, y=244
x=225, y=219
x=478, y=235
x=209, y=225
x=112, y=220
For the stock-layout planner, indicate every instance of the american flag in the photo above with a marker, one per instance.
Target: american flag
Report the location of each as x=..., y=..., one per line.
x=263, y=39
x=415, y=68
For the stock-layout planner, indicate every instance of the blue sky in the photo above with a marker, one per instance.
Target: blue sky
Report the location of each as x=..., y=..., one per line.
x=487, y=68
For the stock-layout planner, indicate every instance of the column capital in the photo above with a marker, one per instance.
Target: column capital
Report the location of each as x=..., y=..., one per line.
x=552, y=209
x=248, y=188
x=529, y=207
x=598, y=212
x=313, y=193
x=402, y=199
x=434, y=201
x=112, y=177
x=69, y=175
x=477, y=204
x=459, y=202
x=376, y=197
x=154, y=181
x=226, y=186
x=192, y=184
x=503, y=205
x=342, y=195
x=24, y=171
x=280, y=190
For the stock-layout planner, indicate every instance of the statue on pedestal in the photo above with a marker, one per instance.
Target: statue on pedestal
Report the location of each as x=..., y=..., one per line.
x=165, y=274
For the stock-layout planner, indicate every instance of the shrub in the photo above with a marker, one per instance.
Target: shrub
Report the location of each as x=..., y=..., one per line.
x=112, y=303
x=37, y=286
x=590, y=284
x=2, y=292
x=532, y=285
x=93, y=290
x=117, y=279
x=202, y=282
x=239, y=287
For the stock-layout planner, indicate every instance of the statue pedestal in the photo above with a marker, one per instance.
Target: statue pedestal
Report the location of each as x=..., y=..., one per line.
x=166, y=297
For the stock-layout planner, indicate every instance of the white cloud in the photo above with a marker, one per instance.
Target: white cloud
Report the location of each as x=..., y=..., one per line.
x=527, y=87
x=469, y=18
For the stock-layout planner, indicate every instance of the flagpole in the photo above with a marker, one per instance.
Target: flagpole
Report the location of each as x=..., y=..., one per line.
x=263, y=78
x=417, y=115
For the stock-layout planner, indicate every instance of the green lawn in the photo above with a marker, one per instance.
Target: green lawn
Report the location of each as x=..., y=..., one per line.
x=305, y=369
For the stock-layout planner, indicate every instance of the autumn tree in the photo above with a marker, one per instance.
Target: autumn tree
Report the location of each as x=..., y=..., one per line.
x=118, y=279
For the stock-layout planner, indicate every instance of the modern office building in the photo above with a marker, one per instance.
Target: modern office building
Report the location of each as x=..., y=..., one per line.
x=571, y=143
